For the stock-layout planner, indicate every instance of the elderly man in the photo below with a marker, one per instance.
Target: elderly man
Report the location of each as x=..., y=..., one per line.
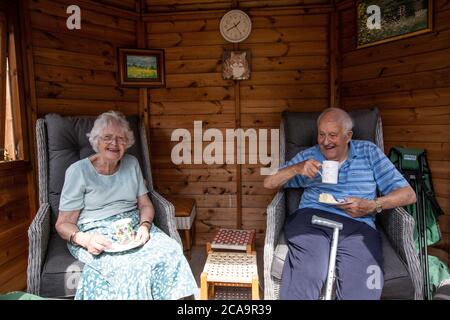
x=363, y=168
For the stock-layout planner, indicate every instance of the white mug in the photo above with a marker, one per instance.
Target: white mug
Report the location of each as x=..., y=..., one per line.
x=330, y=171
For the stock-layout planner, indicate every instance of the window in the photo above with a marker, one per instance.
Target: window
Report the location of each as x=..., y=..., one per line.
x=11, y=115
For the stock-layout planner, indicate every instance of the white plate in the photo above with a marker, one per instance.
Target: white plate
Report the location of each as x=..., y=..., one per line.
x=334, y=204
x=340, y=201
x=117, y=247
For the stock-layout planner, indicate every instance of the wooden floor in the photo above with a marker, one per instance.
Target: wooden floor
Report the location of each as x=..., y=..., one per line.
x=197, y=262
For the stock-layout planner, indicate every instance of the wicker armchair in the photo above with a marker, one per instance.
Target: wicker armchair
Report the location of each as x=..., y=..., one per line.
x=52, y=271
x=402, y=268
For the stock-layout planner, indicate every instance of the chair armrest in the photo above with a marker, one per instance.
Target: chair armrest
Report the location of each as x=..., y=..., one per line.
x=165, y=216
x=398, y=225
x=276, y=213
x=38, y=236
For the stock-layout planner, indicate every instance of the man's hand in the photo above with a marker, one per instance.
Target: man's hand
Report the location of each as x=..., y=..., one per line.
x=97, y=243
x=143, y=234
x=358, y=207
x=308, y=168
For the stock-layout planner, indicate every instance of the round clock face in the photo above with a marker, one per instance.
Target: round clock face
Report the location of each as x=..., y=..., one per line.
x=235, y=26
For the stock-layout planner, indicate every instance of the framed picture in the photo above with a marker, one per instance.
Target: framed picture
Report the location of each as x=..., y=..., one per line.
x=141, y=67
x=380, y=21
x=236, y=65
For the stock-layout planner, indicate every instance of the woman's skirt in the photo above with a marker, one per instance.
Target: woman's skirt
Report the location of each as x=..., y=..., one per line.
x=157, y=270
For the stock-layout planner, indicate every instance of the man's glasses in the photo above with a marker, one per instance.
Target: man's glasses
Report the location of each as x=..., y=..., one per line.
x=109, y=139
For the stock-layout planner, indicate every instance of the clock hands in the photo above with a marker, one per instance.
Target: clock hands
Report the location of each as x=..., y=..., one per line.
x=235, y=26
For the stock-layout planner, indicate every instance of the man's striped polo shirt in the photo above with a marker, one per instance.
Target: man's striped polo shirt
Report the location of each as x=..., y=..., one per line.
x=366, y=169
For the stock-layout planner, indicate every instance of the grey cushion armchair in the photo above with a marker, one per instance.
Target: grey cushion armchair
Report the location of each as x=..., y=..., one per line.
x=61, y=141
x=402, y=271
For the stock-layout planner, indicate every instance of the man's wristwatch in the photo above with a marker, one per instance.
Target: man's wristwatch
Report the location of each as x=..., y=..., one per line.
x=378, y=207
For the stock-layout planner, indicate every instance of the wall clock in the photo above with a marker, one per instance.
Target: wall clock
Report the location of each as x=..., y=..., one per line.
x=235, y=26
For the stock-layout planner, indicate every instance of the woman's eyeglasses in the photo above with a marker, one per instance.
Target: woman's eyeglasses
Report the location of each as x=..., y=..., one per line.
x=109, y=139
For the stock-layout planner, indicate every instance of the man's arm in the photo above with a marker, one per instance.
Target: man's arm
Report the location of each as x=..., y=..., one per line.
x=358, y=207
x=308, y=168
x=398, y=198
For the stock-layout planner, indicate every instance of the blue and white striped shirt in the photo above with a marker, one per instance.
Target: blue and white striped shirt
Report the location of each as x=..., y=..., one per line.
x=366, y=169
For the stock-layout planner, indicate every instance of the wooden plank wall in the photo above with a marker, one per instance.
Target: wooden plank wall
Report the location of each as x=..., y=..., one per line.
x=409, y=80
x=75, y=73
x=290, y=71
x=76, y=70
x=14, y=221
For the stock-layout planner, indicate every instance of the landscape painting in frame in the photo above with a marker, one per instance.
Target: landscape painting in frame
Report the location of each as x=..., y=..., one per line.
x=380, y=21
x=141, y=68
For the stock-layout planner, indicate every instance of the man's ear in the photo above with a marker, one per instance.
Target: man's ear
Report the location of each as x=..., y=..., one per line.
x=349, y=136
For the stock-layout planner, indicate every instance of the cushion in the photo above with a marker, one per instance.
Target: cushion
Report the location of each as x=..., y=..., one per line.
x=301, y=128
x=397, y=282
x=67, y=143
x=61, y=270
x=443, y=291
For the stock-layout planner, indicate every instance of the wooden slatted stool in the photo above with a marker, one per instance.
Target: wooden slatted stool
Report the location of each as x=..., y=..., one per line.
x=229, y=269
x=185, y=212
x=232, y=239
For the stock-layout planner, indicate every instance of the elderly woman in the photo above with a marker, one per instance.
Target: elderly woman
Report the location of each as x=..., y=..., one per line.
x=106, y=187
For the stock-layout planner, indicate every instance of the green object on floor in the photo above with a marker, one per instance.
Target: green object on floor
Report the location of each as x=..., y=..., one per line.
x=19, y=295
x=438, y=272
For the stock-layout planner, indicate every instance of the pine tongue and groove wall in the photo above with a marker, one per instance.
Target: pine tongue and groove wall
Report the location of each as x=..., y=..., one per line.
x=290, y=71
x=75, y=70
x=409, y=80
x=74, y=74
x=14, y=221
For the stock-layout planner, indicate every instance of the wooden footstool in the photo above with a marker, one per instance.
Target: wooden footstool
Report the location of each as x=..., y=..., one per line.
x=185, y=212
x=229, y=269
x=232, y=239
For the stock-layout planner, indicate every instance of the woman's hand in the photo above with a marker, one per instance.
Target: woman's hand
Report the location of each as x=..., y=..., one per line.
x=143, y=233
x=358, y=207
x=96, y=243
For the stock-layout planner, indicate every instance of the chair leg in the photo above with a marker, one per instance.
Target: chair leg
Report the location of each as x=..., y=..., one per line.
x=203, y=286
x=255, y=288
x=193, y=233
x=187, y=235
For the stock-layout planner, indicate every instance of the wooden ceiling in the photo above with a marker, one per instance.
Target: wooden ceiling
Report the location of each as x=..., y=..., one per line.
x=154, y=6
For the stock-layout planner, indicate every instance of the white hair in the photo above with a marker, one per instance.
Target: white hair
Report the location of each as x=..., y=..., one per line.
x=341, y=116
x=106, y=119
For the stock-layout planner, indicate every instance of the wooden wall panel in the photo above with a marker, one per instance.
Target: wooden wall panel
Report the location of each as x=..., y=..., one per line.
x=409, y=80
x=14, y=221
x=76, y=70
x=290, y=71
x=74, y=74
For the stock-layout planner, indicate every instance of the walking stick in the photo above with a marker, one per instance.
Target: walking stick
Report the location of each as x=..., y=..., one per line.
x=336, y=226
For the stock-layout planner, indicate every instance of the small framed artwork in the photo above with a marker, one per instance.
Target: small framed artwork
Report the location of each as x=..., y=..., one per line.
x=380, y=21
x=236, y=65
x=141, y=67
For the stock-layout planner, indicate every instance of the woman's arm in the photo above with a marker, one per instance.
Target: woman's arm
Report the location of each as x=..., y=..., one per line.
x=67, y=228
x=146, y=215
x=146, y=210
x=66, y=224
